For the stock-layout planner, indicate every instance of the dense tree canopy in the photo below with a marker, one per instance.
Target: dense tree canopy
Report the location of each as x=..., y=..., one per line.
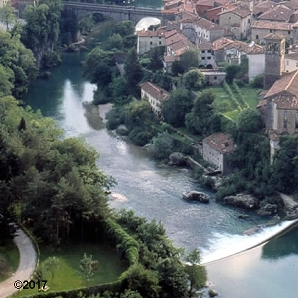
x=178, y=105
x=203, y=118
x=41, y=32
x=17, y=65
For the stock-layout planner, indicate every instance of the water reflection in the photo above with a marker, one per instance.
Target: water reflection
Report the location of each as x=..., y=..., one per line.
x=282, y=246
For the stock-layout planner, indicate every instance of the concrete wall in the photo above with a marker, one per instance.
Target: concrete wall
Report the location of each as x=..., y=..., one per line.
x=256, y=65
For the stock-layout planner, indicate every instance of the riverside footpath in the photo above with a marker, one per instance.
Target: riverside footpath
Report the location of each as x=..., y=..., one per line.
x=28, y=260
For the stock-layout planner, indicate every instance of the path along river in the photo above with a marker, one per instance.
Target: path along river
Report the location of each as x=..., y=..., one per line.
x=153, y=190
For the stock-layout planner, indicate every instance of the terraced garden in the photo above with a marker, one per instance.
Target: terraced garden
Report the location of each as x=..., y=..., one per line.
x=230, y=100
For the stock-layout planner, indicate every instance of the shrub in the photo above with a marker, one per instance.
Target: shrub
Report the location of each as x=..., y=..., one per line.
x=207, y=182
x=114, y=118
x=140, y=137
x=258, y=82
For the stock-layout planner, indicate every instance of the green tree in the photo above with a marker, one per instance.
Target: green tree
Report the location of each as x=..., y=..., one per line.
x=162, y=145
x=177, y=68
x=86, y=24
x=196, y=273
x=203, y=118
x=191, y=58
x=7, y=14
x=133, y=72
x=114, y=42
x=137, y=112
x=232, y=72
x=178, y=105
x=156, y=56
x=86, y=267
x=41, y=32
x=51, y=265
x=142, y=280
x=193, y=79
x=250, y=120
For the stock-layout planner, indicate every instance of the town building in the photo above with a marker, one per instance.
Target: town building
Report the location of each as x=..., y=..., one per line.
x=234, y=51
x=260, y=29
x=149, y=39
x=213, y=76
x=237, y=20
x=291, y=62
x=282, y=105
x=200, y=30
x=176, y=45
x=274, y=59
x=154, y=95
x=216, y=149
x=207, y=59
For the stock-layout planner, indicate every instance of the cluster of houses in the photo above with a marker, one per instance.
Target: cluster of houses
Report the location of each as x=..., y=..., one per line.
x=264, y=33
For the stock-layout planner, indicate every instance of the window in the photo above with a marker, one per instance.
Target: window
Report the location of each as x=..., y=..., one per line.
x=209, y=51
x=215, y=77
x=287, y=62
x=209, y=58
x=289, y=32
x=203, y=51
x=285, y=115
x=285, y=124
x=257, y=36
x=270, y=30
x=160, y=43
x=150, y=42
x=296, y=115
x=203, y=58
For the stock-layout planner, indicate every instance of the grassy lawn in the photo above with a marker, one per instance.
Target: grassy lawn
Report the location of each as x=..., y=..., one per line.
x=9, y=259
x=223, y=105
x=251, y=96
x=68, y=275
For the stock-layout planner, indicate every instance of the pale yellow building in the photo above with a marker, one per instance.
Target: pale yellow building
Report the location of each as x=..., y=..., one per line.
x=291, y=62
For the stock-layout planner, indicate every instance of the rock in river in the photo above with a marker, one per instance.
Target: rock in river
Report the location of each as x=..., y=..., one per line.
x=177, y=159
x=196, y=196
x=244, y=201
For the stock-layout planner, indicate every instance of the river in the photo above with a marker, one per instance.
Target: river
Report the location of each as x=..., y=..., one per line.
x=154, y=191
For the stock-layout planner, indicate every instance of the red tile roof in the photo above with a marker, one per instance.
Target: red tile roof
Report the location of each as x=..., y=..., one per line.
x=155, y=91
x=287, y=84
x=277, y=13
x=220, y=142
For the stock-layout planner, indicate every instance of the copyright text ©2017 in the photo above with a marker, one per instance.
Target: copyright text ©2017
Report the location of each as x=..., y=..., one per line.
x=30, y=284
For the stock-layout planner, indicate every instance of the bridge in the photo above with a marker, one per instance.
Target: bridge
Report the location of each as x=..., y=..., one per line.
x=118, y=13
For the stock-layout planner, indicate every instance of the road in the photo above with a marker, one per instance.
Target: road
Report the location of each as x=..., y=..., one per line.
x=28, y=259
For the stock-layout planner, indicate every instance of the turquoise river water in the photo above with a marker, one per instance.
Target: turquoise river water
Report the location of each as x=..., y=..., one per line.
x=153, y=190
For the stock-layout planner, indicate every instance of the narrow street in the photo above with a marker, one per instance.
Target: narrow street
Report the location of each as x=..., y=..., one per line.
x=28, y=259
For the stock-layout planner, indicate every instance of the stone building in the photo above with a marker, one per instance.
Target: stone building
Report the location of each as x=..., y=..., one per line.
x=200, y=30
x=154, y=95
x=150, y=39
x=260, y=29
x=274, y=58
x=216, y=149
x=282, y=105
x=237, y=20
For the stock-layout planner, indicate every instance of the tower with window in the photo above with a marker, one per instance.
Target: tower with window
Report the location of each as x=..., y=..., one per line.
x=274, y=58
